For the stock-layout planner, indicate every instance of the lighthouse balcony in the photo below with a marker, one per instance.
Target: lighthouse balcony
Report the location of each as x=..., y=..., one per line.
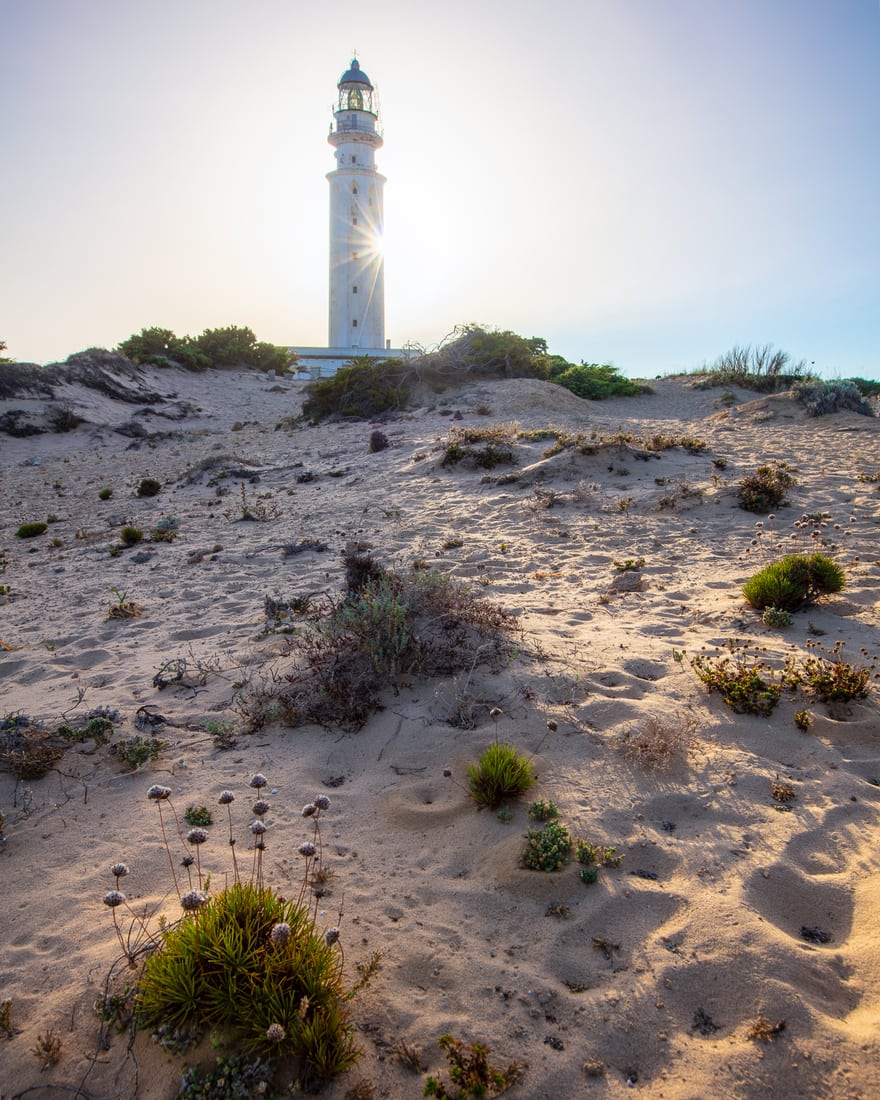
x=356, y=126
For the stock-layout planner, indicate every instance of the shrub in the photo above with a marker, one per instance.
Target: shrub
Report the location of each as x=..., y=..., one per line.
x=344, y=656
x=363, y=389
x=471, y=1075
x=794, y=582
x=596, y=382
x=378, y=442
x=105, y=494
x=130, y=536
x=63, y=419
x=833, y=680
x=544, y=810
x=603, y=855
x=657, y=743
x=500, y=773
x=30, y=530
x=757, y=368
x=777, y=618
x=765, y=489
x=547, y=849
x=138, y=751
x=148, y=487
x=747, y=687
x=821, y=398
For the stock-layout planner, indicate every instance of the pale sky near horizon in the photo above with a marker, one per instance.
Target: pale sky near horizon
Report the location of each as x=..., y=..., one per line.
x=645, y=182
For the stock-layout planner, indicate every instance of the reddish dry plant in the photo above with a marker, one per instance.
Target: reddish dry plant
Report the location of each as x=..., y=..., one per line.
x=657, y=742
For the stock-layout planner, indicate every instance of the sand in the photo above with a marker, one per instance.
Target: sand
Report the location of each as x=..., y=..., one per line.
x=654, y=977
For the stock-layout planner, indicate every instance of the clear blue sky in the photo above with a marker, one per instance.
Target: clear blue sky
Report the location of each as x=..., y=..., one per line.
x=645, y=182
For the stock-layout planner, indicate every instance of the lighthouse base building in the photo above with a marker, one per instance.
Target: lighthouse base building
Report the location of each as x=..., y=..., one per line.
x=357, y=266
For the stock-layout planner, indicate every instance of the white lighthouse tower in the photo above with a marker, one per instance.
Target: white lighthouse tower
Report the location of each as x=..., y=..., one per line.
x=357, y=273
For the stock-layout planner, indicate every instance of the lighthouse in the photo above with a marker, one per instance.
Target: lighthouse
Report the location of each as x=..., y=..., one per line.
x=357, y=272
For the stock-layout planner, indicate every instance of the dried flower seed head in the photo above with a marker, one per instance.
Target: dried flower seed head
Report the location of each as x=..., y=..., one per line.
x=158, y=793
x=197, y=836
x=260, y=807
x=322, y=802
x=114, y=898
x=495, y=712
x=331, y=936
x=309, y=809
x=119, y=869
x=258, y=828
x=307, y=849
x=551, y=725
x=193, y=900
x=275, y=1033
x=447, y=773
x=280, y=934
x=226, y=797
x=187, y=861
x=259, y=780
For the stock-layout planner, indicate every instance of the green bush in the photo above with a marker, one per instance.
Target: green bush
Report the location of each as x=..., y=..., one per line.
x=596, y=381
x=30, y=530
x=130, y=536
x=105, y=494
x=363, y=389
x=500, y=773
x=149, y=487
x=765, y=489
x=797, y=580
x=821, y=398
x=221, y=347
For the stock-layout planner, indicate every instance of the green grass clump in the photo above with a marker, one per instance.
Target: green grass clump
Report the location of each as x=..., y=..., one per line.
x=198, y=815
x=221, y=967
x=500, y=773
x=794, y=582
x=105, y=494
x=547, y=849
x=766, y=488
x=30, y=530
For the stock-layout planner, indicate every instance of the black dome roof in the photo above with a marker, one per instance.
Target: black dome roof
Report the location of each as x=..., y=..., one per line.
x=354, y=75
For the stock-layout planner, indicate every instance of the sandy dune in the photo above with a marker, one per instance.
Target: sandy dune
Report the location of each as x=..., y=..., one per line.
x=657, y=974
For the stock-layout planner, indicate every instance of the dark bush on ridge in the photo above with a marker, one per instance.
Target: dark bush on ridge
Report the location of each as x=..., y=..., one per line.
x=365, y=388
x=596, y=381
x=822, y=398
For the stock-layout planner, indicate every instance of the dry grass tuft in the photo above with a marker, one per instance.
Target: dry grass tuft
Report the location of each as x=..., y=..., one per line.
x=657, y=742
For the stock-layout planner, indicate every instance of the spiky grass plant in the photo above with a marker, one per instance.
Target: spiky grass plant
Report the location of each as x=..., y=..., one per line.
x=500, y=773
x=222, y=967
x=245, y=961
x=794, y=582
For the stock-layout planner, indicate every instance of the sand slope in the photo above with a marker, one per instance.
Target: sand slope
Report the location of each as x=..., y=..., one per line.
x=700, y=927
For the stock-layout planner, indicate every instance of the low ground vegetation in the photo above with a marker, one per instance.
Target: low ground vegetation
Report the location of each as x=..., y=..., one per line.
x=350, y=649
